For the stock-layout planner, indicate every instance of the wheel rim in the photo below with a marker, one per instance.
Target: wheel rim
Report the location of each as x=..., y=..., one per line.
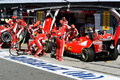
x=84, y=55
x=6, y=38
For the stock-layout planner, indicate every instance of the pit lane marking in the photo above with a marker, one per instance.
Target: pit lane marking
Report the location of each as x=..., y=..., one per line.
x=71, y=72
x=109, y=61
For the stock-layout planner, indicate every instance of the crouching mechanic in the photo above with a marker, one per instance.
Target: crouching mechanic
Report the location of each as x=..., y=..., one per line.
x=40, y=42
x=60, y=40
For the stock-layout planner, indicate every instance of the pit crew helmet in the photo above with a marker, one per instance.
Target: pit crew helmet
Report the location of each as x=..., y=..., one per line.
x=61, y=21
x=14, y=18
x=73, y=26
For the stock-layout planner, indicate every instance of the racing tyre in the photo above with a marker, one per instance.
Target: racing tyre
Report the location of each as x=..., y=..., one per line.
x=6, y=36
x=87, y=55
x=114, y=54
x=48, y=45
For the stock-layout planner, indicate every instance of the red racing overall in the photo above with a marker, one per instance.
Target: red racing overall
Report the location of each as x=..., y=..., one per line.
x=40, y=41
x=60, y=40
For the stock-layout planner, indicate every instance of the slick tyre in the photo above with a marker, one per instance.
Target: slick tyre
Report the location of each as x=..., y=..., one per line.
x=48, y=45
x=87, y=55
x=6, y=36
x=114, y=54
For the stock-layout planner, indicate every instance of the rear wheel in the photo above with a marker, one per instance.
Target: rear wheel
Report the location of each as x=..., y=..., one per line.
x=114, y=54
x=87, y=55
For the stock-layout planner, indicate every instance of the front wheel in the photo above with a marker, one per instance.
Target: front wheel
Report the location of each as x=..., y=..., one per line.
x=87, y=55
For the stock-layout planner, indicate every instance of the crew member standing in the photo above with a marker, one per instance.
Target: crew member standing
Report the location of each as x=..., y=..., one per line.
x=60, y=40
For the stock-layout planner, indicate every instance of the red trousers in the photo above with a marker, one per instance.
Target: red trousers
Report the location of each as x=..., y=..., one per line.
x=39, y=45
x=60, y=47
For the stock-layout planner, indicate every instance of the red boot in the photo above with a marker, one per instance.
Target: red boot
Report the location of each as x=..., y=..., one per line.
x=29, y=52
x=44, y=53
x=61, y=59
x=0, y=47
x=56, y=57
x=13, y=48
x=36, y=55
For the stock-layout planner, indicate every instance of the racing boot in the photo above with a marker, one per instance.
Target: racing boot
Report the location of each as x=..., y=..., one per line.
x=0, y=47
x=36, y=55
x=56, y=57
x=57, y=52
x=61, y=59
x=1, y=43
x=29, y=52
x=13, y=48
x=44, y=53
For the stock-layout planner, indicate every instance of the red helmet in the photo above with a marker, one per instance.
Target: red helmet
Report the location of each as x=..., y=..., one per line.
x=61, y=21
x=38, y=22
x=72, y=26
x=14, y=18
x=40, y=27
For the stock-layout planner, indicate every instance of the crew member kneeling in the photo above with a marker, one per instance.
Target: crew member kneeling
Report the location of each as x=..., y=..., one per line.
x=40, y=41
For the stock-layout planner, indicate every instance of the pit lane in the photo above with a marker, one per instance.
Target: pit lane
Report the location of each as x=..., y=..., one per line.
x=108, y=67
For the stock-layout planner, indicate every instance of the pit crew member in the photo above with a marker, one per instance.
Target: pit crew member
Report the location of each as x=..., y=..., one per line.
x=60, y=40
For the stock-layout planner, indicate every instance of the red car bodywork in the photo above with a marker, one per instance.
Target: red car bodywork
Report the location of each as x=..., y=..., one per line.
x=76, y=46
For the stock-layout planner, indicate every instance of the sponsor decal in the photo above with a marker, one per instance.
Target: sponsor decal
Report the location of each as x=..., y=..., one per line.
x=106, y=20
x=69, y=48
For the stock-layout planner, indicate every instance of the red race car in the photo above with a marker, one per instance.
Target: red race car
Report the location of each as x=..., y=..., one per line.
x=89, y=49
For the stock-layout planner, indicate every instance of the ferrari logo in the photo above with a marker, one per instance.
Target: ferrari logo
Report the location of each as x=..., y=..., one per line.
x=69, y=48
x=81, y=40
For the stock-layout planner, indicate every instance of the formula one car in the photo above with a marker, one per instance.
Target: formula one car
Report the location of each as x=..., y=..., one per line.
x=88, y=49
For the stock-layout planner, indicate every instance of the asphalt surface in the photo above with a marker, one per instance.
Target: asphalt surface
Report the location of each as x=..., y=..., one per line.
x=15, y=71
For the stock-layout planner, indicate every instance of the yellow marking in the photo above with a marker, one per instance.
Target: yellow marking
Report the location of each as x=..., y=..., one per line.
x=108, y=61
